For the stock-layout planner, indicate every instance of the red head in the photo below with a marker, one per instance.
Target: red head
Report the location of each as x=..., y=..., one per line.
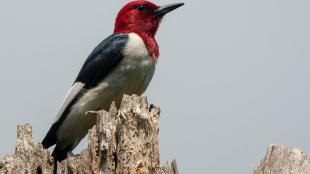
x=143, y=18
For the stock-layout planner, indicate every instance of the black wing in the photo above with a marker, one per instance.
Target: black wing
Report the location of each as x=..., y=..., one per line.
x=103, y=59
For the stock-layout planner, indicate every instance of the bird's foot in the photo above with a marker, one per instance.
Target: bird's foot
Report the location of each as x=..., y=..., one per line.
x=91, y=113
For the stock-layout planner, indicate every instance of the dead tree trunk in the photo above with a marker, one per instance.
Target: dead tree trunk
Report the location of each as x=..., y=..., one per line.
x=282, y=160
x=124, y=140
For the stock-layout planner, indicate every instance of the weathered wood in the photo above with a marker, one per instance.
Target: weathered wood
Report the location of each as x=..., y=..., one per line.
x=29, y=157
x=282, y=160
x=123, y=141
x=170, y=168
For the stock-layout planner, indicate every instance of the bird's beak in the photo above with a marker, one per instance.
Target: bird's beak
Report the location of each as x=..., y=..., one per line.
x=167, y=8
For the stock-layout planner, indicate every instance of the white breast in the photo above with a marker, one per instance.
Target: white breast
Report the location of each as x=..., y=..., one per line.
x=136, y=48
x=131, y=76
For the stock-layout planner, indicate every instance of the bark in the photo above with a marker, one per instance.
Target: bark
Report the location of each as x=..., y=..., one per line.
x=282, y=160
x=123, y=140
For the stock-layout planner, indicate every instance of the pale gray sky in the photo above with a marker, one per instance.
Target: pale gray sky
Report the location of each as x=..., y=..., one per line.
x=233, y=76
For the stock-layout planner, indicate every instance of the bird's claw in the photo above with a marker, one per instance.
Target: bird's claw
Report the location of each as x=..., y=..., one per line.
x=91, y=113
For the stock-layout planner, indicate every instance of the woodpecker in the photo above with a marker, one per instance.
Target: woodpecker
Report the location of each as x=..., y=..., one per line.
x=123, y=63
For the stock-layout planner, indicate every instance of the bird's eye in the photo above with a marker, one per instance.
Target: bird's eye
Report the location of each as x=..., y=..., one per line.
x=140, y=8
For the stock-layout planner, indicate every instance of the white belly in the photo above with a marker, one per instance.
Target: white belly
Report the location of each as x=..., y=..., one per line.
x=131, y=76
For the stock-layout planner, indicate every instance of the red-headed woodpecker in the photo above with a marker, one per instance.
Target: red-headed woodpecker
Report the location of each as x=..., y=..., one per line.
x=123, y=63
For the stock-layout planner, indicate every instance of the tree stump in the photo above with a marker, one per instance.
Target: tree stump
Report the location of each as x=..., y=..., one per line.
x=282, y=160
x=123, y=141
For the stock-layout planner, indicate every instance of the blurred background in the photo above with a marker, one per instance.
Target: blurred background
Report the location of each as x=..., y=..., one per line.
x=233, y=76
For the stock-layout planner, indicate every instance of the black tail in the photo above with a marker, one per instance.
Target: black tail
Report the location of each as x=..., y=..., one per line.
x=60, y=154
x=50, y=139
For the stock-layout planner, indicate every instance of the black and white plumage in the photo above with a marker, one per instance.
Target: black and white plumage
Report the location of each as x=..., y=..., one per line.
x=124, y=63
x=119, y=65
